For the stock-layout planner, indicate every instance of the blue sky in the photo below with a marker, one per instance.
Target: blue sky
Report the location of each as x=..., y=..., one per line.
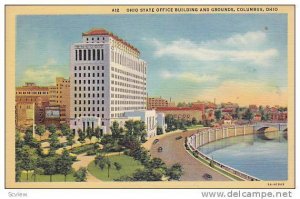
x=240, y=58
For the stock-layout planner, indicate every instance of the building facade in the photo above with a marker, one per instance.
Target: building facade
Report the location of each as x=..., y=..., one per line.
x=26, y=96
x=107, y=78
x=185, y=113
x=156, y=102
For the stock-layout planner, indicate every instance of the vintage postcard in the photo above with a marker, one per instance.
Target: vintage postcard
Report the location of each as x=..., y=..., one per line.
x=191, y=96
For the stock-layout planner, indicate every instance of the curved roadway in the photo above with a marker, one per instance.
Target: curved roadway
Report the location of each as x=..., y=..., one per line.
x=174, y=152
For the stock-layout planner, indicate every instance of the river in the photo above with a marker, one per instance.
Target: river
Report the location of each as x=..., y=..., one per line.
x=264, y=157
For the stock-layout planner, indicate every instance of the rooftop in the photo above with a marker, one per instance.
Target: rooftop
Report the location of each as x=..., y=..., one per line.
x=178, y=109
x=102, y=31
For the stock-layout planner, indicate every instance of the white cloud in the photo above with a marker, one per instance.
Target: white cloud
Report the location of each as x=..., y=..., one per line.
x=44, y=76
x=246, y=40
x=189, y=77
x=245, y=93
x=236, y=49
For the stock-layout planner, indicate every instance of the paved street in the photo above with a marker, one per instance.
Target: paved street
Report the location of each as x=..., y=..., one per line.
x=174, y=152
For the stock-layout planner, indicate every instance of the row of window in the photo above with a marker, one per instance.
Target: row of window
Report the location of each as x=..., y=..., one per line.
x=88, y=88
x=88, y=68
x=88, y=101
x=94, y=115
x=127, y=96
x=124, y=108
x=98, y=38
x=124, y=60
x=128, y=91
x=88, y=95
x=32, y=92
x=127, y=73
x=79, y=108
x=87, y=81
x=89, y=74
x=89, y=55
x=126, y=102
x=127, y=85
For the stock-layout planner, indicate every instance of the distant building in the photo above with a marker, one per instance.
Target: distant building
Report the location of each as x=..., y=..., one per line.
x=25, y=115
x=26, y=96
x=253, y=108
x=278, y=116
x=156, y=102
x=257, y=117
x=229, y=105
x=186, y=113
x=63, y=98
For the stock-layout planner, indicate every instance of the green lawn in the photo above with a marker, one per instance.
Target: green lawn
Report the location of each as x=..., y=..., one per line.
x=194, y=126
x=129, y=166
x=46, y=178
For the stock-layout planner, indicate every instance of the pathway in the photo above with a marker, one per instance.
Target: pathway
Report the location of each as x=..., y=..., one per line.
x=174, y=152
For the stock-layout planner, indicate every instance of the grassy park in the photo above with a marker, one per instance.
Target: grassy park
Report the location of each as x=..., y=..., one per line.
x=46, y=178
x=129, y=166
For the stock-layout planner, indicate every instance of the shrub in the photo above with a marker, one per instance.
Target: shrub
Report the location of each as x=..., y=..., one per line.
x=82, y=149
x=91, y=152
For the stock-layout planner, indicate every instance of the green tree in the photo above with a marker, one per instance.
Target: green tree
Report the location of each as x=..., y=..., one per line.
x=129, y=125
x=19, y=142
x=116, y=131
x=70, y=139
x=118, y=166
x=218, y=114
x=65, y=129
x=52, y=128
x=97, y=132
x=37, y=171
x=248, y=115
x=28, y=159
x=156, y=163
x=147, y=175
x=80, y=175
x=64, y=164
x=29, y=139
x=175, y=172
x=40, y=130
x=81, y=135
x=89, y=133
x=54, y=143
x=18, y=170
x=49, y=166
x=108, y=164
x=139, y=130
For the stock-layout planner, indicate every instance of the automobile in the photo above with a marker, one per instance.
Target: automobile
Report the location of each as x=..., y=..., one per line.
x=159, y=149
x=207, y=176
x=178, y=138
x=155, y=141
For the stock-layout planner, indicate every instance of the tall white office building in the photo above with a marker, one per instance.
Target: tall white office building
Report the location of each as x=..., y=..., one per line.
x=107, y=78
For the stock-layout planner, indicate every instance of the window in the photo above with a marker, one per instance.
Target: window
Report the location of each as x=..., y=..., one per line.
x=98, y=54
x=89, y=54
x=102, y=74
x=76, y=55
x=102, y=54
x=94, y=54
x=75, y=68
x=84, y=55
x=80, y=55
x=102, y=67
